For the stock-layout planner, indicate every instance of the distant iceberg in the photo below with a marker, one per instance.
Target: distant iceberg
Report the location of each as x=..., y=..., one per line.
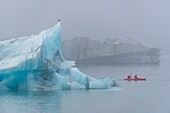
x=121, y=51
x=36, y=62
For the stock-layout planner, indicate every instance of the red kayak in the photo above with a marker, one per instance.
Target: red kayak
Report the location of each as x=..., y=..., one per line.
x=134, y=79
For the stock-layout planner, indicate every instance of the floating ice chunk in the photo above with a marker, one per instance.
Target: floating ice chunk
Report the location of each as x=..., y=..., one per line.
x=36, y=62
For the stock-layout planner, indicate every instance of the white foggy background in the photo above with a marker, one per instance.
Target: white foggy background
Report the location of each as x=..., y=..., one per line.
x=146, y=21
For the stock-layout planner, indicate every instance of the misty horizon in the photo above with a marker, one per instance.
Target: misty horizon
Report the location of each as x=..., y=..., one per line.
x=144, y=21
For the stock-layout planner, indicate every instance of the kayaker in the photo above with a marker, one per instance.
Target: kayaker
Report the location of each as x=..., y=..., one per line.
x=135, y=77
x=128, y=77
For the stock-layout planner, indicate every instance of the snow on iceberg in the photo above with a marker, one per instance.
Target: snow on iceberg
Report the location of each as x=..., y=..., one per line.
x=36, y=62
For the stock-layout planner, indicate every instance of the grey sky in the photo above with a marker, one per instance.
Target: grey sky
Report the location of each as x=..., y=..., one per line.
x=147, y=21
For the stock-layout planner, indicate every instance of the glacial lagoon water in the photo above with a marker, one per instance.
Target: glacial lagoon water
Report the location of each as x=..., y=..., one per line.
x=150, y=96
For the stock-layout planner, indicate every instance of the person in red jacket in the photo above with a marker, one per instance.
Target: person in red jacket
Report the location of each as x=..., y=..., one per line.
x=135, y=77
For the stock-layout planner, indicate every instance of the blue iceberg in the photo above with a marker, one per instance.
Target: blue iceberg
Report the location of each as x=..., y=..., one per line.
x=36, y=62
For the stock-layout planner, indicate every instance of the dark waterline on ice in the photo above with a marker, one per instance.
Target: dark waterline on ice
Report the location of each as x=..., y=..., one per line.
x=150, y=96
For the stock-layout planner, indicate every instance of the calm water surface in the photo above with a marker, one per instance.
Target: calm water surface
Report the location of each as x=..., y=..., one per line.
x=151, y=96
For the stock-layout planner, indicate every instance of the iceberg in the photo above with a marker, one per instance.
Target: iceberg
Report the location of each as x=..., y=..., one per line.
x=118, y=51
x=36, y=63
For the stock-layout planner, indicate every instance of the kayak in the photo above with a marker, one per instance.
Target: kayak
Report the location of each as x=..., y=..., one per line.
x=135, y=79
